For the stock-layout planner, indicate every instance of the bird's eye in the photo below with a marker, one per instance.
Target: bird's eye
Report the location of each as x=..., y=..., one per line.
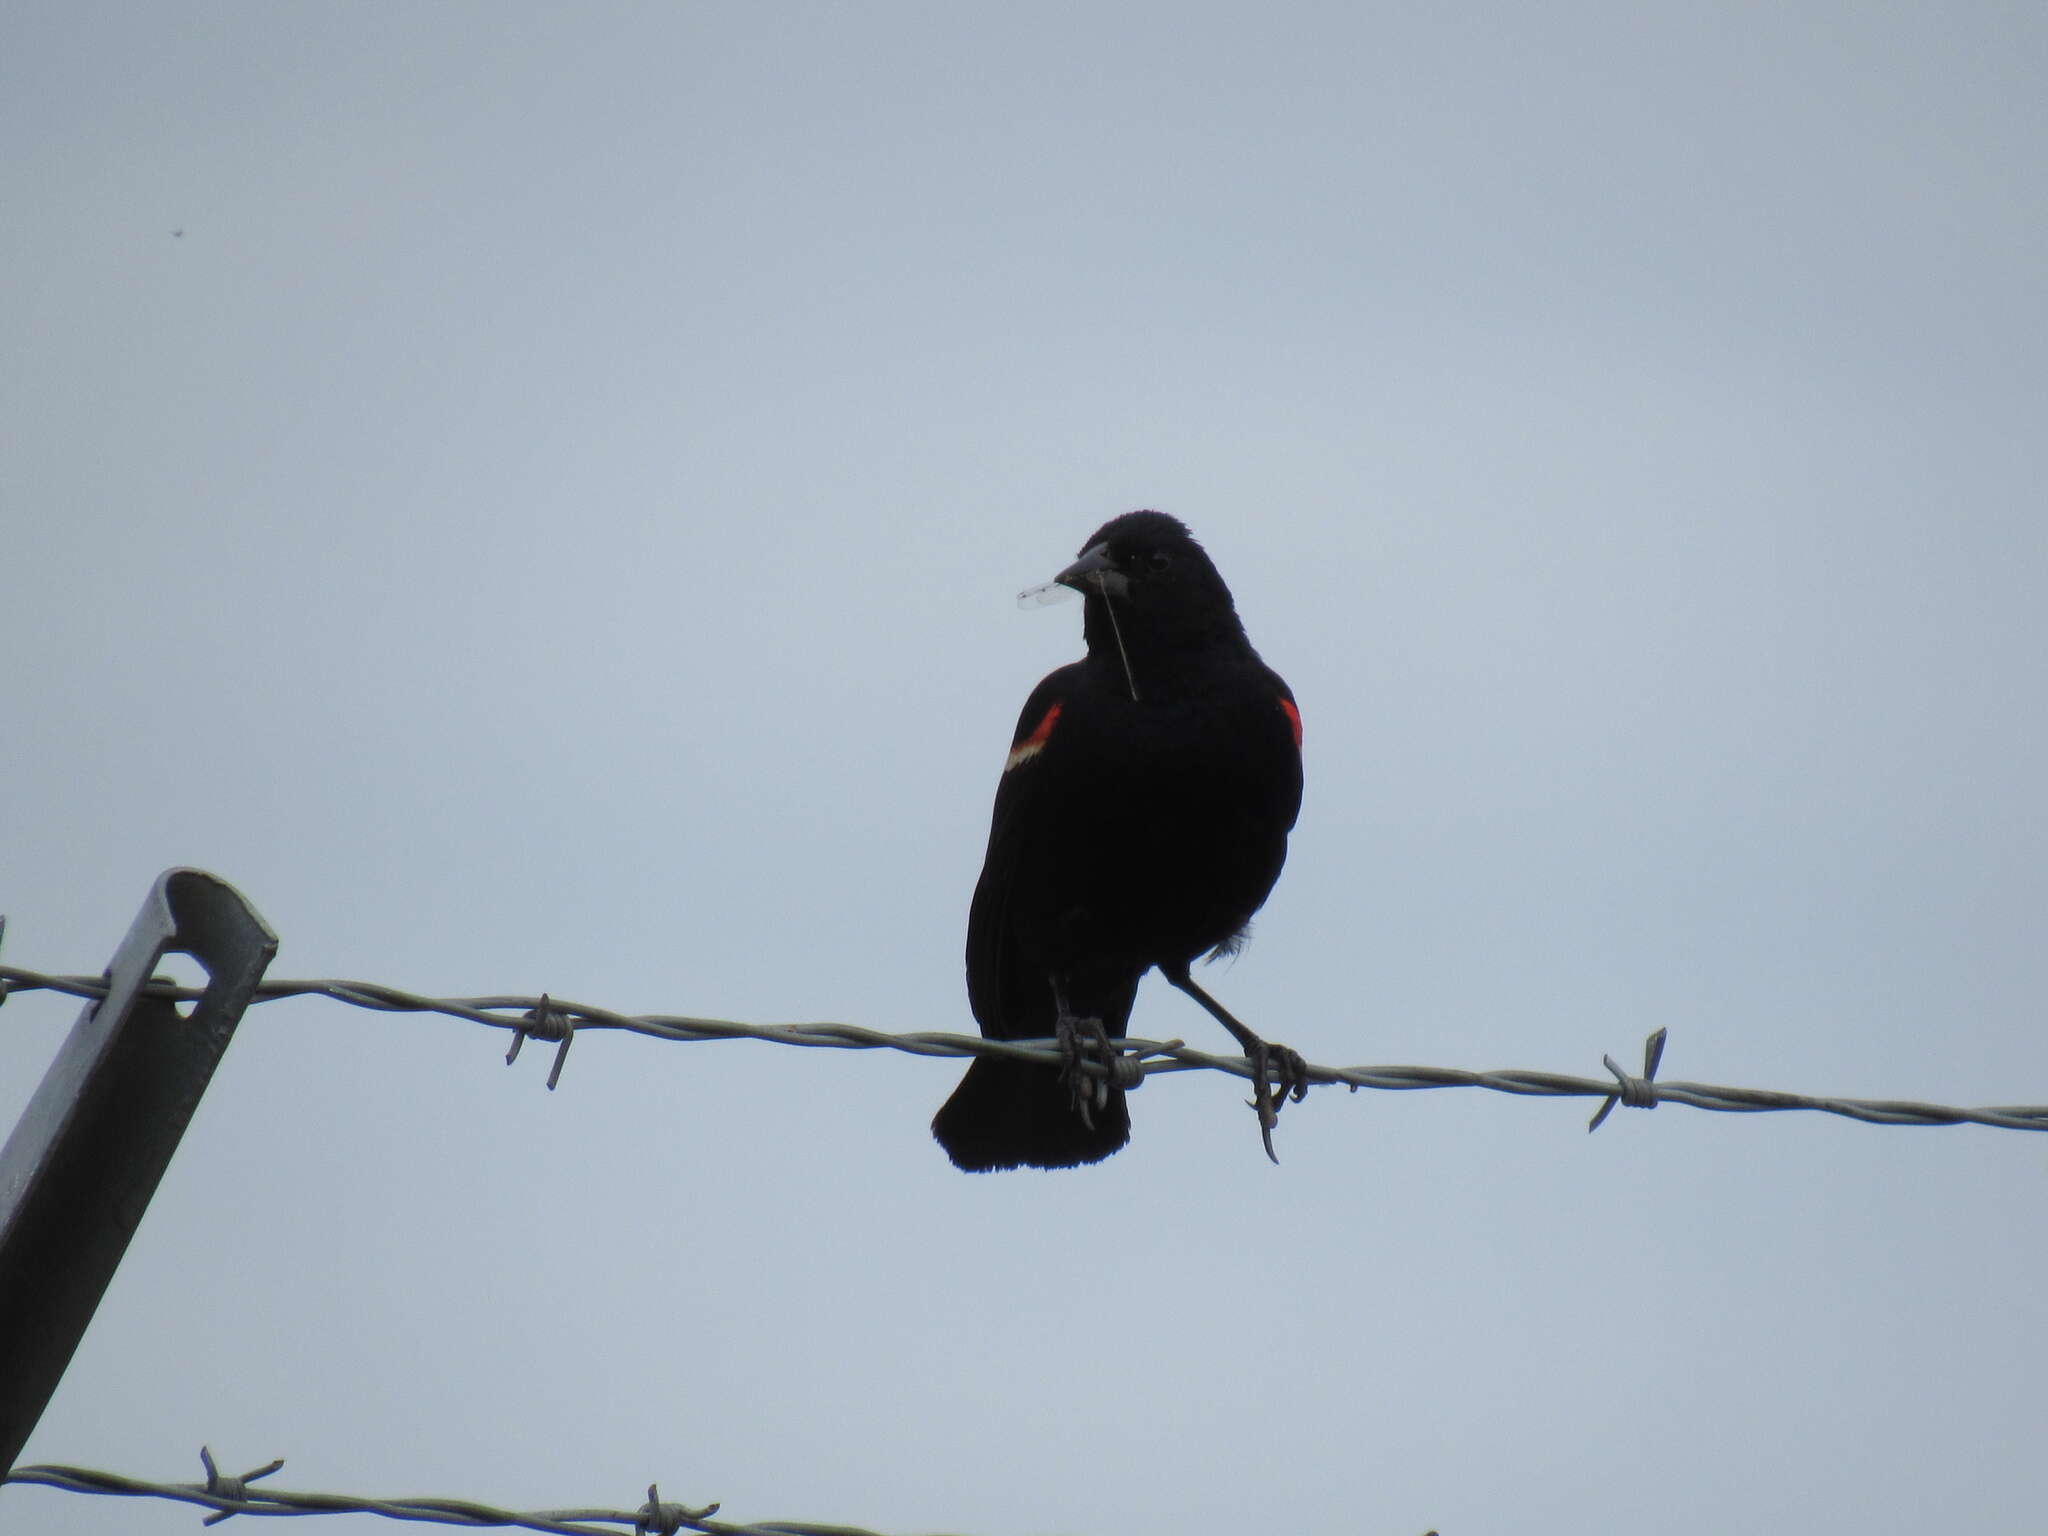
x=1159, y=560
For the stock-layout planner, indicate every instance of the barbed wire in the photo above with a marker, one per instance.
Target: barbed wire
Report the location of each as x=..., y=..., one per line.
x=553, y=1019
x=227, y=1496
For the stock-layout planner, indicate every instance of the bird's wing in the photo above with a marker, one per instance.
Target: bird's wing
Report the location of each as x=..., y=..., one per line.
x=1015, y=868
x=1291, y=712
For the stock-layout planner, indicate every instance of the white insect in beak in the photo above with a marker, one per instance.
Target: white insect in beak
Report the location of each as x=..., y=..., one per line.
x=1044, y=595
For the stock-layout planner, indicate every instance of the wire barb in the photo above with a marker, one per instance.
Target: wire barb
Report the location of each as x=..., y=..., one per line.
x=1635, y=1092
x=1153, y=1056
x=659, y=1519
x=233, y=1490
x=544, y=1022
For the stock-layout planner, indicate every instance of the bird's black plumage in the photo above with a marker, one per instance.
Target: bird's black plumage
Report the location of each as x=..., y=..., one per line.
x=1141, y=820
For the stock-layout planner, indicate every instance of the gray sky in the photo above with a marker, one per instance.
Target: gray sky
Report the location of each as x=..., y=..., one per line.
x=551, y=520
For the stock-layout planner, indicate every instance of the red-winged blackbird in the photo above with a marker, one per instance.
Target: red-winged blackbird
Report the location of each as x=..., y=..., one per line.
x=1141, y=819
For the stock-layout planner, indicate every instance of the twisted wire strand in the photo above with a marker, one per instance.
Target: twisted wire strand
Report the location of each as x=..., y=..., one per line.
x=229, y=1496
x=553, y=1018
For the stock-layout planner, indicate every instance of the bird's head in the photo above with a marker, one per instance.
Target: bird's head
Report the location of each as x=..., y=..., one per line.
x=1150, y=566
x=1151, y=595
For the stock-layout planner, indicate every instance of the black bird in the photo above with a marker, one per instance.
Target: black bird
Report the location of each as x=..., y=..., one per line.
x=1141, y=819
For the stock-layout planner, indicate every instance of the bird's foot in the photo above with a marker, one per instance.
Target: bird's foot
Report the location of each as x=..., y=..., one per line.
x=1269, y=1061
x=1080, y=1039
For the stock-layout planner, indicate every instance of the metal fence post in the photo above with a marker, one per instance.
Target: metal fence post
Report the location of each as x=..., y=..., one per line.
x=79, y=1169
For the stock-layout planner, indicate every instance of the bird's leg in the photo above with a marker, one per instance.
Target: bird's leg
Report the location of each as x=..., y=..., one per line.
x=1266, y=1060
x=1078, y=1038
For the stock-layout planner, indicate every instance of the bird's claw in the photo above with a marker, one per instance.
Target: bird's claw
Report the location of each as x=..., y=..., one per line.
x=1078, y=1040
x=1267, y=1062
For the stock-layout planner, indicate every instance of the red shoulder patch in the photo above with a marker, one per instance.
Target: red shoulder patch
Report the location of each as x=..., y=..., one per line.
x=1293, y=720
x=1032, y=744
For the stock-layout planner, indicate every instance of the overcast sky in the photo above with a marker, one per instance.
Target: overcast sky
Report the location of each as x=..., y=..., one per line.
x=534, y=495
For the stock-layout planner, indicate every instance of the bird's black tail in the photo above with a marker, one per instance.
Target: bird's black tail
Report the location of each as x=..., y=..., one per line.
x=1016, y=1114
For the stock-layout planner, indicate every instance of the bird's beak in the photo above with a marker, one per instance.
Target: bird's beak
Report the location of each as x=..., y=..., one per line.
x=1095, y=571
